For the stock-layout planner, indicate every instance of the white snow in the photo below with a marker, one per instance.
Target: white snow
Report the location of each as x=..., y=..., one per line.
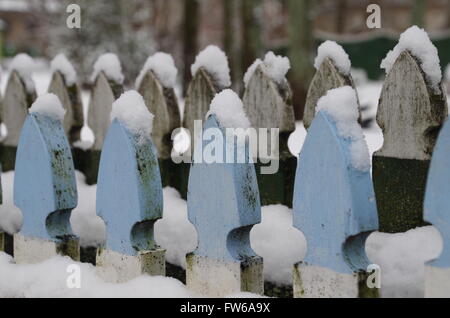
x=332, y=50
x=10, y=215
x=163, y=66
x=416, y=41
x=275, y=66
x=229, y=109
x=48, y=105
x=131, y=111
x=49, y=279
x=24, y=65
x=61, y=64
x=342, y=105
x=109, y=64
x=215, y=63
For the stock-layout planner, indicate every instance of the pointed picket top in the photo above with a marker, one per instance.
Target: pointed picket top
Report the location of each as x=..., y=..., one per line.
x=129, y=191
x=161, y=102
x=334, y=207
x=16, y=102
x=268, y=104
x=327, y=77
x=70, y=98
x=44, y=183
x=410, y=113
x=437, y=212
x=199, y=95
x=104, y=93
x=223, y=205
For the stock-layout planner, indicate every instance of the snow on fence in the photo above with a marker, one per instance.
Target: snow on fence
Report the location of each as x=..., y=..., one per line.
x=336, y=203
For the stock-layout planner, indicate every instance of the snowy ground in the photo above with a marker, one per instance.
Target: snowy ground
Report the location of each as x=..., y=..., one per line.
x=400, y=256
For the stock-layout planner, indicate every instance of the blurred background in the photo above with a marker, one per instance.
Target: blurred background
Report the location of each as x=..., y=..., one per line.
x=244, y=29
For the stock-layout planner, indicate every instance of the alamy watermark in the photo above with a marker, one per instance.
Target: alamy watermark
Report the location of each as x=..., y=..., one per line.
x=74, y=19
x=374, y=19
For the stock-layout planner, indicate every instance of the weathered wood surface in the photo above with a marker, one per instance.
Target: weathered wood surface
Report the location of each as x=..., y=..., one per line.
x=6, y=241
x=45, y=191
x=410, y=115
x=223, y=205
x=200, y=93
x=437, y=212
x=327, y=77
x=70, y=97
x=130, y=201
x=104, y=93
x=15, y=108
x=269, y=105
x=334, y=207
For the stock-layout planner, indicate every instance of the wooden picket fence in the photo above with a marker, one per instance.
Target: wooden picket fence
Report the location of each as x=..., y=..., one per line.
x=131, y=176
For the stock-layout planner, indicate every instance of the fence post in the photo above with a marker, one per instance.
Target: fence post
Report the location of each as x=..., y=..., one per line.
x=436, y=211
x=410, y=114
x=327, y=77
x=70, y=96
x=269, y=105
x=104, y=92
x=334, y=207
x=223, y=205
x=44, y=188
x=162, y=102
x=130, y=201
x=16, y=102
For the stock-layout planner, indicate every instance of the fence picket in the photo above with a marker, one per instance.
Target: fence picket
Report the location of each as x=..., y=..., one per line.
x=223, y=205
x=129, y=200
x=410, y=115
x=436, y=211
x=45, y=191
x=334, y=207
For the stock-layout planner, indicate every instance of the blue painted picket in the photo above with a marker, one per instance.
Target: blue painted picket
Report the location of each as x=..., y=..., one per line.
x=334, y=204
x=44, y=185
x=437, y=212
x=129, y=192
x=223, y=205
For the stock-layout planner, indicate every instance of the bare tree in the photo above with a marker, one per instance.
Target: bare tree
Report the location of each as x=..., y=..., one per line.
x=190, y=39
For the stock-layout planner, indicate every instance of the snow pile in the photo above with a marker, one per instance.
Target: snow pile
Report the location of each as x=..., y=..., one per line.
x=215, y=63
x=229, y=109
x=342, y=105
x=131, y=111
x=401, y=258
x=278, y=243
x=163, y=66
x=24, y=65
x=50, y=279
x=417, y=42
x=61, y=64
x=275, y=66
x=48, y=105
x=86, y=224
x=10, y=215
x=332, y=50
x=110, y=65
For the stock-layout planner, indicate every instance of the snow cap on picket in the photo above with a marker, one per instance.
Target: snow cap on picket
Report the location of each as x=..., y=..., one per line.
x=61, y=64
x=275, y=66
x=109, y=64
x=24, y=65
x=417, y=42
x=48, y=105
x=342, y=105
x=229, y=109
x=163, y=66
x=332, y=50
x=215, y=62
x=130, y=110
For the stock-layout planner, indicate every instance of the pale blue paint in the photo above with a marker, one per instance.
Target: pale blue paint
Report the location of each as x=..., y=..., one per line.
x=437, y=195
x=223, y=204
x=44, y=183
x=333, y=202
x=129, y=191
